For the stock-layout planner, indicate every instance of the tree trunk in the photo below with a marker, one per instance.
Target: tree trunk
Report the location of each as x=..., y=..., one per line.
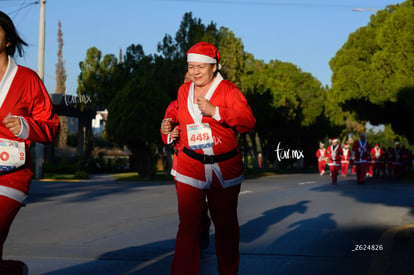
x=144, y=161
x=254, y=153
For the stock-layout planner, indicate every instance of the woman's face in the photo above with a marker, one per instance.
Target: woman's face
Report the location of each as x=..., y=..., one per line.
x=201, y=73
x=3, y=41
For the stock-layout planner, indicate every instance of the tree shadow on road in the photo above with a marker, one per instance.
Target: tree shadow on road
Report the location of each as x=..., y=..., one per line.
x=313, y=230
x=84, y=190
x=377, y=191
x=153, y=258
x=318, y=246
x=255, y=228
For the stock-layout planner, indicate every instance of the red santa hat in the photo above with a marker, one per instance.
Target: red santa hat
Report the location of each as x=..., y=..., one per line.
x=203, y=52
x=335, y=140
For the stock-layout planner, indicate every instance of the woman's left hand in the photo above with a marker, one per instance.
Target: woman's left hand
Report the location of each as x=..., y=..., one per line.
x=206, y=108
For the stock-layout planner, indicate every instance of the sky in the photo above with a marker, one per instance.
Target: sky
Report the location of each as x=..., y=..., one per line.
x=307, y=33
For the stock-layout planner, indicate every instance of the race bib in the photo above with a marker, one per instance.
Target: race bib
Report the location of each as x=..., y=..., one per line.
x=12, y=154
x=199, y=136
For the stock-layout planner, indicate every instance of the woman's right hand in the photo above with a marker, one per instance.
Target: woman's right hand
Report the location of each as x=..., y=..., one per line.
x=166, y=126
x=175, y=133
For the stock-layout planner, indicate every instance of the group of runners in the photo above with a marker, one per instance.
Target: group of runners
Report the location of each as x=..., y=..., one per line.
x=364, y=160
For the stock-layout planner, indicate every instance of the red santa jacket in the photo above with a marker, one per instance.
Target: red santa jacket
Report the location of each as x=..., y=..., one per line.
x=23, y=94
x=360, y=151
x=377, y=154
x=321, y=154
x=234, y=115
x=396, y=155
x=345, y=155
x=334, y=154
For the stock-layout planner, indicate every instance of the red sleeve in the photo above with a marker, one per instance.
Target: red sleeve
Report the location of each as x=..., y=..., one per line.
x=171, y=113
x=164, y=138
x=42, y=120
x=238, y=114
x=355, y=147
x=328, y=152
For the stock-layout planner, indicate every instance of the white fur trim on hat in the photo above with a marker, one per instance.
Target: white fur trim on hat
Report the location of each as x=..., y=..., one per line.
x=195, y=57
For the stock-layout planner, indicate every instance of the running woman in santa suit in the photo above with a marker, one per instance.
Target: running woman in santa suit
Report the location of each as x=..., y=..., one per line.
x=26, y=116
x=170, y=135
x=210, y=112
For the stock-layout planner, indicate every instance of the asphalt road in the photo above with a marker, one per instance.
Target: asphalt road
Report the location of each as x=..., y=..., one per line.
x=290, y=224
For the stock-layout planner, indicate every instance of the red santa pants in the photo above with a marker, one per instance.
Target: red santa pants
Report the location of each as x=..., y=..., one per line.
x=378, y=169
x=370, y=168
x=344, y=168
x=397, y=170
x=361, y=170
x=321, y=166
x=334, y=169
x=222, y=203
x=8, y=211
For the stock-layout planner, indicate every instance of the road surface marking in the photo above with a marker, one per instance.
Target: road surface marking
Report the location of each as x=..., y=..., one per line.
x=150, y=262
x=306, y=182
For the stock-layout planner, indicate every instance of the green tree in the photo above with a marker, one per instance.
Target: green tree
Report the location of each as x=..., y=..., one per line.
x=136, y=109
x=61, y=89
x=287, y=103
x=60, y=66
x=373, y=73
x=96, y=85
x=191, y=31
x=172, y=60
x=232, y=54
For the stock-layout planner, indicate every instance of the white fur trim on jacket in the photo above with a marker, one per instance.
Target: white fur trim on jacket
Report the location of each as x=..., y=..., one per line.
x=12, y=193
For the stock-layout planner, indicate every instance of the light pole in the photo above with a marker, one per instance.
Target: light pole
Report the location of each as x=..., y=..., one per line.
x=40, y=71
x=41, y=47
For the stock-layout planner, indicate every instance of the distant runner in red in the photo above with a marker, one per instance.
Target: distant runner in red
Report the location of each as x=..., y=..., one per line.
x=396, y=163
x=377, y=161
x=210, y=112
x=321, y=155
x=26, y=116
x=361, y=156
x=334, y=154
x=346, y=154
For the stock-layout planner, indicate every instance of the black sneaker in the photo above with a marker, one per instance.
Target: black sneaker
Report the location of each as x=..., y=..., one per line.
x=12, y=267
x=25, y=269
